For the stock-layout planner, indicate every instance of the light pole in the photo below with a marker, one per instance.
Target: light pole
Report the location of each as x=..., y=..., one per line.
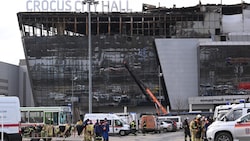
x=90, y=2
x=74, y=78
x=159, y=75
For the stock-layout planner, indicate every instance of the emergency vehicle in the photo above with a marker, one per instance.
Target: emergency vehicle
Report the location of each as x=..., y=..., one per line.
x=10, y=118
x=221, y=110
x=235, y=125
x=230, y=131
x=116, y=124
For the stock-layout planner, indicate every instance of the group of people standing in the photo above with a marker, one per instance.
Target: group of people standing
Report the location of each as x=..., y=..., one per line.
x=196, y=129
x=98, y=131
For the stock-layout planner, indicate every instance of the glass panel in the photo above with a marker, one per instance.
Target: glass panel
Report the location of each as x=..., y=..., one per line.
x=55, y=118
x=36, y=117
x=48, y=118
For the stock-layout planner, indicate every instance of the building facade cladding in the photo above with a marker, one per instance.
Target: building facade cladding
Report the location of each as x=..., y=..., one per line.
x=9, y=79
x=14, y=81
x=55, y=45
x=223, y=68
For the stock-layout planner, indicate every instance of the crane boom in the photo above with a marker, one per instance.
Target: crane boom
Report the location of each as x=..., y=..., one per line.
x=146, y=91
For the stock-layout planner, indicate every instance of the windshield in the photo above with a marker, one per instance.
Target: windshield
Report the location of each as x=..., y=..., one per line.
x=65, y=117
x=221, y=114
x=232, y=115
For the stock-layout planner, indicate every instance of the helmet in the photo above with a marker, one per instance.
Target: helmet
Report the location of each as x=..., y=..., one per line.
x=198, y=116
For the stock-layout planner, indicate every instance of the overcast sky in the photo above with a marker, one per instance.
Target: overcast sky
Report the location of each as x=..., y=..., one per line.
x=11, y=49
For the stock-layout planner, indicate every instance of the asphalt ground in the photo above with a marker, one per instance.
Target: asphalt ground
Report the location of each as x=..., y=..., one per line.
x=175, y=136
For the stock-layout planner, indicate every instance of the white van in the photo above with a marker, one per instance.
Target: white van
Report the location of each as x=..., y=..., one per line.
x=177, y=119
x=116, y=124
x=226, y=127
x=129, y=117
x=10, y=118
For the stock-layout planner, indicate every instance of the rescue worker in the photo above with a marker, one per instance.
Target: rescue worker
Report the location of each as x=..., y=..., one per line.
x=67, y=130
x=89, y=131
x=133, y=127
x=207, y=123
x=195, y=128
x=47, y=131
x=203, y=130
x=98, y=131
x=144, y=127
x=185, y=126
x=79, y=127
x=105, y=130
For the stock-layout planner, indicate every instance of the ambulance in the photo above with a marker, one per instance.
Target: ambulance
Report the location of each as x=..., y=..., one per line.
x=221, y=110
x=116, y=124
x=10, y=118
x=233, y=126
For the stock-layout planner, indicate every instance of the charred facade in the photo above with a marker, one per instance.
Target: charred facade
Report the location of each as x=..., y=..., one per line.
x=56, y=50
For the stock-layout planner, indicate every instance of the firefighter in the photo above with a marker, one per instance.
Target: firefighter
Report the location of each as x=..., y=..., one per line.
x=133, y=127
x=79, y=127
x=144, y=126
x=48, y=130
x=195, y=128
x=89, y=131
x=185, y=126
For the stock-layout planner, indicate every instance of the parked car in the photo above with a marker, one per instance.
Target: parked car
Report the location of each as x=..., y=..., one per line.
x=174, y=125
x=166, y=127
x=177, y=119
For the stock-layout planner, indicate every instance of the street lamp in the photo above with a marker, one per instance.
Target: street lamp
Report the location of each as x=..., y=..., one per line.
x=159, y=75
x=74, y=78
x=90, y=2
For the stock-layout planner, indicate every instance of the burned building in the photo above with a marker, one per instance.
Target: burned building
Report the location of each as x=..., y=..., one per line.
x=56, y=51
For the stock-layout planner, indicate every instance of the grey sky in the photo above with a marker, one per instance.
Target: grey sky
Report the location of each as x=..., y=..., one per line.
x=11, y=49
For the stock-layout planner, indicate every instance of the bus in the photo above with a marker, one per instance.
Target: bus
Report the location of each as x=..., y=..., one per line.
x=56, y=116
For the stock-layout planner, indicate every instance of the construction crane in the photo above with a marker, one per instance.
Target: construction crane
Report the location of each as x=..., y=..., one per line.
x=146, y=91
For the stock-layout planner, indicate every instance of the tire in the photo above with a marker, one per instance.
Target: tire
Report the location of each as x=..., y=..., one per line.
x=223, y=136
x=122, y=133
x=5, y=138
x=165, y=130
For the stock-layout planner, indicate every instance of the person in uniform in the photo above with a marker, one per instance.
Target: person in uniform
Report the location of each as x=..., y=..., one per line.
x=89, y=131
x=98, y=131
x=133, y=127
x=79, y=127
x=195, y=128
x=186, y=128
x=105, y=130
x=144, y=127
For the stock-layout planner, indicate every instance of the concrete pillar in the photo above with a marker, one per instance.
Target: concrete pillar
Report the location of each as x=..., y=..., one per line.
x=190, y=108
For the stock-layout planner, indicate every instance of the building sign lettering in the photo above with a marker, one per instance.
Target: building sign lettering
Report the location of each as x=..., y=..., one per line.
x=76, y=6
